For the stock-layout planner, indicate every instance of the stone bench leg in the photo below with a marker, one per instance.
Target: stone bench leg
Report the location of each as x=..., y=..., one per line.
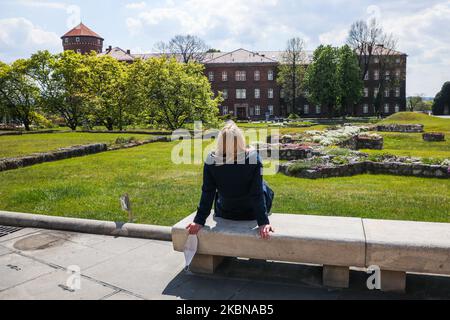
x=334, y=276
x=205, y=263
x=393, y=281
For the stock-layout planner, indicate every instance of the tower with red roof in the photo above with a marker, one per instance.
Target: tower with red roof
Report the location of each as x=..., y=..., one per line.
x=83, y=40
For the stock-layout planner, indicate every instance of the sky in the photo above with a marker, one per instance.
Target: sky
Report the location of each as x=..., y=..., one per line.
x=422, y=27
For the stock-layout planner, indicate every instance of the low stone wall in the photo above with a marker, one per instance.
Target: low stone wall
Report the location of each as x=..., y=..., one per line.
x=404, y=128
x=156, y=133
x=60, y=154
x=433, y=137
x=288, y=153
x=363, y=142
x=394, y=168
x=19, y=133
x=138, y=143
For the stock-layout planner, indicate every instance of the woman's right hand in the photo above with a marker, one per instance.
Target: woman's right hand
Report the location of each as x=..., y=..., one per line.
x=194, y=228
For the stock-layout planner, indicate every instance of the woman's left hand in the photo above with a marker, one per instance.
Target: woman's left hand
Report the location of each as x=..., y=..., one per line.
x=264, y=231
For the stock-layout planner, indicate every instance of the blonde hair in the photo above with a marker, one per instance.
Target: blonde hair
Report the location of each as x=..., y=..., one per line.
x=230, y=143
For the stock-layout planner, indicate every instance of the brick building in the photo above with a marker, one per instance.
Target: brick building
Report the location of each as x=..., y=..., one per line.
x=248, y=83
x=83, y=40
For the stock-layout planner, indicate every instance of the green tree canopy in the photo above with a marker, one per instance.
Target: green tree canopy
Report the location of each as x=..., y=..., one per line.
x=441, y=103
x=350, y=83
x=19, y=93
x=321, y=78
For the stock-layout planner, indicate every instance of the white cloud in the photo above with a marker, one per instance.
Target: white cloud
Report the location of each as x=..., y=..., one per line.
x=19, y=37
x=136, y=5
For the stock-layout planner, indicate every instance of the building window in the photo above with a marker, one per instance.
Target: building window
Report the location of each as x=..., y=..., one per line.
x=386, y=93
x=366, y=92
x=225, y=110
x=282, y=93
x=366, y=77
x=270, y=110
x=66, y=40
x=78, y=50
x=257, y=75
x=388, y=75
x=252, y=111
x=386, y=108
x=397, y=61
x=397, y=92
x=224, y=76
x=99, y=41
x=211, y=76
x=225, y=94
x=397, y=73
x=241, y=75
x=257, y=110
x=270, y=75
x=241, y=94
x=77, y=39
x=397, y=108
x=375, y=92
x=365, y=108
x=306, y=109
x=257, y=93
x=376, y=75
x=270, y=93
x=376, y=60
x=318, y=109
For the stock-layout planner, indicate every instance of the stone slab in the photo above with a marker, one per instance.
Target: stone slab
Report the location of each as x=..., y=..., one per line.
x=324, y=240
x=4, y=250
x=420, y=247
x=53, y=286
x=122, y=296
x=16, y=269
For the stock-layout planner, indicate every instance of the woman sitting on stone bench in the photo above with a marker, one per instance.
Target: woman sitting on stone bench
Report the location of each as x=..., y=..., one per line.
x=232, y=179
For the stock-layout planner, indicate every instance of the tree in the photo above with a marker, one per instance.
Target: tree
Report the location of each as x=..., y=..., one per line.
x=415, y=103
x=350, y=83
x=174, y=93
x=291, y=73
x=188, y=47
x=19, y=94
x=441, y=105
x=64, y=81
x=363, y=38
x=107, y=86
x=321, y=78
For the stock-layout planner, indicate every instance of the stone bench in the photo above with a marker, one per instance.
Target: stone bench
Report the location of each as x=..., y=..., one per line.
x=334, y=242
x=337, y=243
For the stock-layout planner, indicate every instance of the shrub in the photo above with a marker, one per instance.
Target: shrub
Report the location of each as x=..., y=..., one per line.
x=294, y=116
x=123, y=140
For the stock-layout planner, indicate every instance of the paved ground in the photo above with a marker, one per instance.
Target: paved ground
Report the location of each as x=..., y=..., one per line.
x=33, y=265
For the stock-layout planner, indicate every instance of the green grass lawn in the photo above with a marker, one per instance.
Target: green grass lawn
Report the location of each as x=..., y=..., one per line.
x=13, y=146
x=163, y=193
x=412, y=144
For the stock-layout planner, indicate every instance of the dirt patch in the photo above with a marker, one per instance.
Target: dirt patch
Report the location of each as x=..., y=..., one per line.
x=38, y=242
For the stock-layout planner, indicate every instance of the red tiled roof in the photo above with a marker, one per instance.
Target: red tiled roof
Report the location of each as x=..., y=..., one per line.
x=81, y=31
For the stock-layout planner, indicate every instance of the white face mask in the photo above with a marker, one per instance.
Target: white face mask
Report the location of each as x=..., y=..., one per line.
x=190, y=249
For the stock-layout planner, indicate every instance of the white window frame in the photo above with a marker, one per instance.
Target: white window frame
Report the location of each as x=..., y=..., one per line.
x=387, y=75
x=376, y=75
x=251, y=111
x=367, y=76
x=224, y=76
x=398, y=73
x=366, y=92
x=224, y=110
x=77, y=39
x=270, y=93
x=270, y=75
x=66, y=40
x=318, y=109
x=225, y=94
x=375, y=92
x=241, y=75
x=387, y=93
x=241, y=94
x=211, y=76
x=78, y=50
x=376, y=60
x=270, y=108
x=365, y=108
x=386, y=108
x=257, y=110
x=397, y=108
x=397, y=92
x=398, y=60
x=257, y=75
x=306, y=109
x=257, y=93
